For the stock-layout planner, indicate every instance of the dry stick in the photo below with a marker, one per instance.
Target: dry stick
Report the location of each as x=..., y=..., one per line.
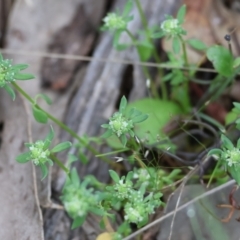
x=190, y=173
x=185, y=179
x=29, y=131
x=212, y=191
x=89, y=59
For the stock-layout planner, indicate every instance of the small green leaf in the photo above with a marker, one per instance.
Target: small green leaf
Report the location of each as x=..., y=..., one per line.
x=123, y=139
x=226, y=142
x=222, y=60
x=145, y=52
x=23, y=76
x=77, y=222
x=236, y=105
x=167, y=77
x=132, y=134
x=121, y=47
x=10, y=91
x=140, y=118
x=83, y=158
x=19, y=67
x=236, y=62
x=50, y=162
x=127, y=8
x=114, y=176
x=181, y=14
x=129, y=113
x=39, y=115
x=231, y=117
x=238, y=143
x=116, y=43
x=134, y=113
x=61, y=146
x=174, y=173
x=107, y=134
x=238, y=121
x=176, y=44
x=181, y=96
x=129, y=176
x=71, y=158
x=234, y=171
x=105, y=125
x=74, y=177
x=44, y=170
x=24, y=157
x=215, y=151
x=197, y=44
x=159, y=34
x=49, y=138
x=97, y=211
x=44, y=97
x=123, y=104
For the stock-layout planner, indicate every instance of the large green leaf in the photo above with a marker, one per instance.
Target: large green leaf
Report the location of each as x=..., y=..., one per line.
x=159, y=114
x=222, y=60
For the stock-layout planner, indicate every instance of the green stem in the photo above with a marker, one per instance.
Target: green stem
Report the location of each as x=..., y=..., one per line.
x=113, y=152
x=142, y=15
x=184, y=51
x=155, y=55
x=186, y=64
x=59, y=163
x=145, y=69
x=213, y=173
x=140, y=162
x=61, y=124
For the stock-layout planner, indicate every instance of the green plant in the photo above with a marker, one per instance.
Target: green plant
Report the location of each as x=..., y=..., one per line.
x=122, y=122
x=40, y=154
x=138, y=127
x=10, y=73
x=229, y=157
x=79, y=200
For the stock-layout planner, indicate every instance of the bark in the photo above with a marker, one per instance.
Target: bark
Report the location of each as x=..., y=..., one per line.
x=89, y=95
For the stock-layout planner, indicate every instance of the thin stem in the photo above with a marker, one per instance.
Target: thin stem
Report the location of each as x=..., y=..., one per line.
x=186, y=64
x=61, y=124
x=155, y=55
x=142, y=15
x=59, y=163
x=213, y=173
x=145, y=69
x=140, y=162
x=108, y=225
x=113, y=152
x=184, y=51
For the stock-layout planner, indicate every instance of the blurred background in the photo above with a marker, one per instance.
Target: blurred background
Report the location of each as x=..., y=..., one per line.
x=76, y=65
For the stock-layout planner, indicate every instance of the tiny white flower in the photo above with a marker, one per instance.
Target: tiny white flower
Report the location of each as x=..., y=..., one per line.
x=114, y=22
x=170, y=25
